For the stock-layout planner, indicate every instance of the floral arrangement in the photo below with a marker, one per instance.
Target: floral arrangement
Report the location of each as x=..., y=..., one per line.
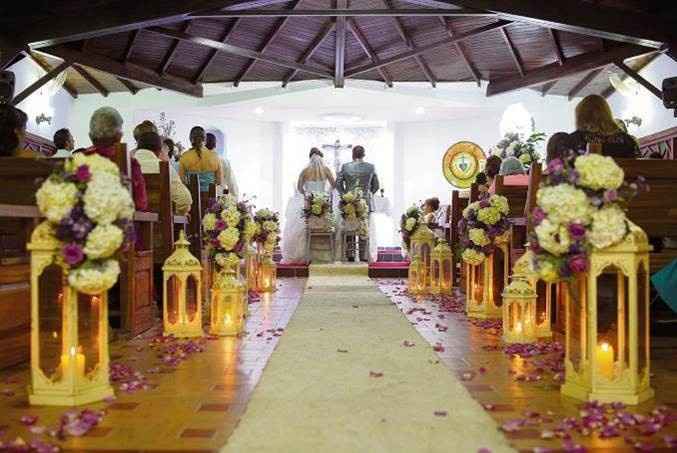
x=228, y=228
x=267, y=229
x=317, y=205
x=89, y=211
x=411, y=220
x=354, y=210
x=484, y=224
x=579, y=207
x=513, y=145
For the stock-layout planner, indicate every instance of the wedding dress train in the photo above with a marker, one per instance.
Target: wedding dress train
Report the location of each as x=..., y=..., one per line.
x=294, y=235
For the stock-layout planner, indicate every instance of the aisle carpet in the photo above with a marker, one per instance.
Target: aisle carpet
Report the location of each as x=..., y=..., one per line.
x=342, y=381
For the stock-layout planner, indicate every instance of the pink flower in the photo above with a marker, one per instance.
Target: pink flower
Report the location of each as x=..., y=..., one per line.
x=73, y=254
x=578, y=263
x=82, y=174
x=220, y=225
x=29, y=420
x=538, y=215
x=577, y=231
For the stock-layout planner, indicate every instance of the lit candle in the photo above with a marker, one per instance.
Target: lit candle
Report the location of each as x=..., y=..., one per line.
x=518, y=327
x=605, y=359
x=79, y=361
x=226, y=320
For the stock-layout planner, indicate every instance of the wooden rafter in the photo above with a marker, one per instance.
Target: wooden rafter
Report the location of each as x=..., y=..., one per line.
x=395, y=12
x=639, y=79
x=584, y=82
x=129, y=85
x=610, y=90
x=310, y=51
x=130, y=45
x=573, y=65
x=8, y=55
x=340, y=47
x=277, y=28
x=410, y=45
x=239, y=51
x=127, y=70
x=547, y=87
x=513, y=52
x=35, y=86
x=459, y=48
x=68, y=86
x=556, y=46
x=93, y=81
x=368, y=50
x=171, y=53
x=423, y=49
x=230, y=29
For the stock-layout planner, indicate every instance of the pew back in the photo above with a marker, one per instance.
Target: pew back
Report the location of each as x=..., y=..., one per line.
x=159, y=201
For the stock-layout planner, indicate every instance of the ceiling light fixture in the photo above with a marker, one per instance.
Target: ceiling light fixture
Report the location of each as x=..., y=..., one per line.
x=341, y=118
x=259, y=111
x=420, y=111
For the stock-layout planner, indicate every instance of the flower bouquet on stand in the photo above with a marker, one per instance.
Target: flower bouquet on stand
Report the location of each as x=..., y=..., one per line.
x=267, y=237
x=484, y=226
x=355, y=212
x=318, y=211
x=410, y=221
x=513, y=145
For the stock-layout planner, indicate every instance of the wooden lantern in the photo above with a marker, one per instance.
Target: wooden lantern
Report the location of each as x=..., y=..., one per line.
x=607, y=325
x=251, y=264
x=416, y=281
x=181, y=291
x=69, y=332
x=229, y=295
x=441, y=281
x=519, y=312
x=546, y=293
x=422, y=244
x=474, y=288
x=267, y=274
x=485, y=283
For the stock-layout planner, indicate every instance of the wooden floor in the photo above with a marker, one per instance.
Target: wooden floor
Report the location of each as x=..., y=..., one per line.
x=197, y=405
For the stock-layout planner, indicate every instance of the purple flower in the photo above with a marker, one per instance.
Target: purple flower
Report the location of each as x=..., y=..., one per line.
x=555, y=166
x=573, y=176
x=578, y=263
x=484, y=204
x=610, y=196
x=577, y=231
x=220, y=225
x=82, y=174
x=538, y=215
x=81, y=228
x=73, y=254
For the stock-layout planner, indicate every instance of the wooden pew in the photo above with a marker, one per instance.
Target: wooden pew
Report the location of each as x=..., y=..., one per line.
x=458, y=204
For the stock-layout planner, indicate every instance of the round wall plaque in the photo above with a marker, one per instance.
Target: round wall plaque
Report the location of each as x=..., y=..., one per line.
x=462, y=162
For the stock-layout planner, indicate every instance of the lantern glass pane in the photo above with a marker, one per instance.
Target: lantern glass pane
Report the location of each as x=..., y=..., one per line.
x=498, y=273
x=436, y=272
x=51, y=300
x=191, y=297
x=612, y=313
x=173, y=290
x=576, y=320
x=89, y=314
x=446, y=272
x=425, y=257
x=478, y=284
x=542, y=289
x=642, y=318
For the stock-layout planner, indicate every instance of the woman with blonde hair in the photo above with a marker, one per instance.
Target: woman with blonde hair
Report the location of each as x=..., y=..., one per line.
x=595, y=124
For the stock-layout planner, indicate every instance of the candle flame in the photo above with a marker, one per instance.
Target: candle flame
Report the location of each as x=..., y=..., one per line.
x=604, y=346
x=72, y=351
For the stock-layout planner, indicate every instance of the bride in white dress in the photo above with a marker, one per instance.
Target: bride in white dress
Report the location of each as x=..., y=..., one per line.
x=316, y=177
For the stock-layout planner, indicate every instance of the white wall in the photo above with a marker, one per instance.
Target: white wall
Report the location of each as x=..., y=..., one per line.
x=58, y=106
x=655, y=117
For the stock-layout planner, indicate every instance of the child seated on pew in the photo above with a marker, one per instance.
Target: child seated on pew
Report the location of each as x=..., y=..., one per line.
x=13, y=133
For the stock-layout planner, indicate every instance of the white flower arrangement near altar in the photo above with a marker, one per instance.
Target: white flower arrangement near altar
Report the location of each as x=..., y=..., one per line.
x=512, y=145
x=410, y=221
x=484, y=224
x=579, y=207
x=89, y=211
x=318, y=211
x=228, y=228
x=267, y=229
x=355, y=211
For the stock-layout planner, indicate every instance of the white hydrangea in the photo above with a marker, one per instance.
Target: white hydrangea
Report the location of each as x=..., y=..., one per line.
x=103, y=241
x=106, y=199
x=231, y=216
x=609, y=227
x=95, y=162
x=56, y=199
x=478, y=237
x=473, y=257
x=553, y=237
x=410, y=224
x=269, y=226
x=501, y=203
x=209, y=222
x=227, y=260
x=229, y=238
x=564, y=204
x=599, y=172
x=94, y=279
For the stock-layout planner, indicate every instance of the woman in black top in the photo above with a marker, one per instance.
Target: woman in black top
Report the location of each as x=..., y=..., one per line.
x=595, y=124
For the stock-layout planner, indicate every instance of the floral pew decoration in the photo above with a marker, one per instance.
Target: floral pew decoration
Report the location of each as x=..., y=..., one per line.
x=583, y=237
x=318, y=211
x=89, y=210
x=266, y=238
x=355, y=212
x=485, y=236
x=514, y=145
x=229, y=229
x=419, y=242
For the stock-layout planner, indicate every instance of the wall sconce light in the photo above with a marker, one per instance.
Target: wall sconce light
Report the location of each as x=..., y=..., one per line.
x=43, y=118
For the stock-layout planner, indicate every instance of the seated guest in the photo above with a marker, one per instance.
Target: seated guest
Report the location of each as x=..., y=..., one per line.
x=13, y=133
x=142, y=128
x=492, y=167
x=482, y=182
x=558, y=146
x=433, y=216
x=226, y=171
x=64, y=143
x=595, y=125
x=105, y=131
x=170, y=148
x=149, y=154
x=200, y=161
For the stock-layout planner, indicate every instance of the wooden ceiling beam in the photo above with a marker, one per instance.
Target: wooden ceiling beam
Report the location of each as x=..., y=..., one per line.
x=93, y=81
x=547, y=87
x=584, y=18
x=340, y=48
x=459, y=48
x=239, y=51
x=611, y=90
x=35, y=86
x=584, y=82
x=68, y=86
x=513, y=52
x=171, y=53
x=573, y=66
x=395, y=12
x=277, y=29
x=129, y=85
x=9, y=54
x=127, y=71
x=311, y=49
x=130, y=45
x=423, y=49
x=368, y=50
x=557, y=46
x=639, y=79
x=226, y=35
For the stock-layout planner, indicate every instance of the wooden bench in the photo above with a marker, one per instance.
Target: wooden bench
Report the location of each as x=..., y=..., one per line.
x=458, y=204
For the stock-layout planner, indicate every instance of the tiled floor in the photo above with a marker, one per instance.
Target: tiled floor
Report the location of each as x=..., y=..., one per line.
x=491, y=377
x=194, y=407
